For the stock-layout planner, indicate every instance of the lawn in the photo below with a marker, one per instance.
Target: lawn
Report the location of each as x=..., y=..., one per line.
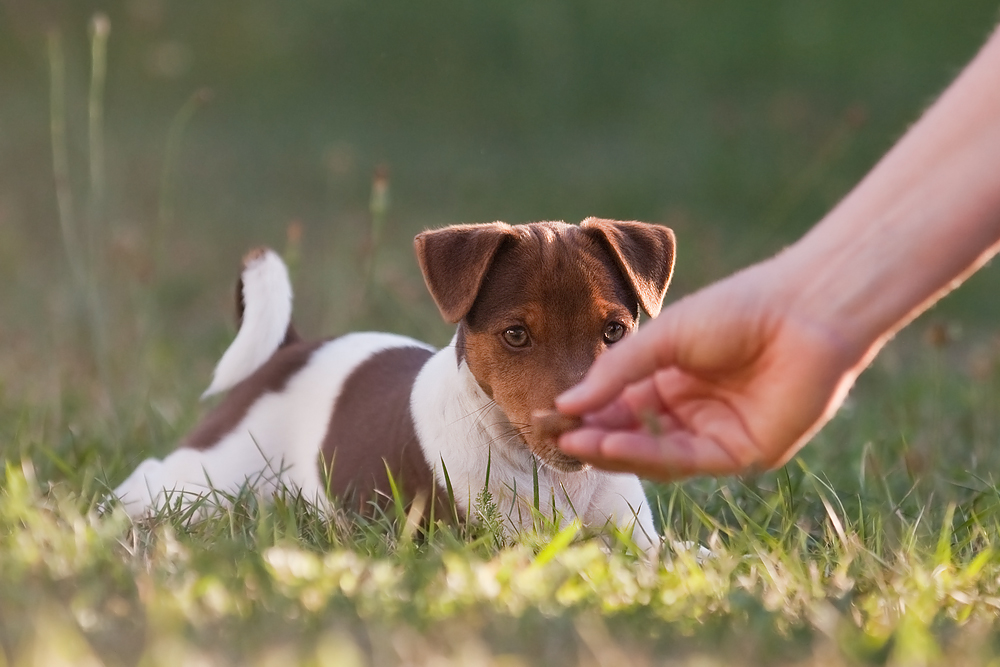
x=127, y=200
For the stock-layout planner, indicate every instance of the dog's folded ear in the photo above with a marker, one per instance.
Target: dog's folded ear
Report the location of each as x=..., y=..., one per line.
x=454, y=261
x=643, y=252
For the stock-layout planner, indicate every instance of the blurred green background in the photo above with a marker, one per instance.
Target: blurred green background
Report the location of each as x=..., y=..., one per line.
x=228, y=123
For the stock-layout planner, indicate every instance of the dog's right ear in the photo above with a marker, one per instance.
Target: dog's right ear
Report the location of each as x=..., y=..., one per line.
x=454, y=261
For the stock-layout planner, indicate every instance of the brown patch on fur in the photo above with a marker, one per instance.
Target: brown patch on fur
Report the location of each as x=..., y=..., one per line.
x=271, y=377
x=371, y=429
x=241, y=304
x=254, y=254
x=565, y=287
x=248, y=259
x=454, y=261
x=291, y=337
x=644, y=253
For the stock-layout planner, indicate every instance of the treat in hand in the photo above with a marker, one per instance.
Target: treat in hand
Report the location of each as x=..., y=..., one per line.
x=550, y=424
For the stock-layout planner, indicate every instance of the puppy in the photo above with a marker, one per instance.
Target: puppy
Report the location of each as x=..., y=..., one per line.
x=534, y=304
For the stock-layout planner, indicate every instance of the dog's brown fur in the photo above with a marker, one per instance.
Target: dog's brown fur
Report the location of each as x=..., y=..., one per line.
x=374, y=435
x=563, y=285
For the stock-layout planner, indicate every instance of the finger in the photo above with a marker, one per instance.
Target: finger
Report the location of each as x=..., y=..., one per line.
x=666, y=457
x=634, y=403
x=652, y=399
x=616, y=415
x=634, y=358
x=623, y=416
x=585, y=444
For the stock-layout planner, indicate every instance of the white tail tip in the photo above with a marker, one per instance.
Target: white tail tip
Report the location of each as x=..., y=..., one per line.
x=267, y=312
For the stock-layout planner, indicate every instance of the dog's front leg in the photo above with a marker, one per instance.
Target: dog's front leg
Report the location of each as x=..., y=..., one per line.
x=622, y=501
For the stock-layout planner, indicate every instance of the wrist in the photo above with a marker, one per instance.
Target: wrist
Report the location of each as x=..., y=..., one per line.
x=876, y=262
x=919, y=223
x=826, y=291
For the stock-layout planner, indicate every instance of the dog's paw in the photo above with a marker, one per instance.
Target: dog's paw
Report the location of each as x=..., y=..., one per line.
x=700, y=553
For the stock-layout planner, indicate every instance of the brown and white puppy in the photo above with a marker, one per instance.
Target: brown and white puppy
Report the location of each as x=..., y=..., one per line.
x=534, y=304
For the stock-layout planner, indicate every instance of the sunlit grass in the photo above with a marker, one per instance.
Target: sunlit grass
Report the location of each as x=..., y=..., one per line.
x=276, y=577
x=804, y=571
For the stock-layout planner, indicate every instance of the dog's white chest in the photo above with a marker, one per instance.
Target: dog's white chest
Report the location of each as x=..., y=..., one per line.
x=469, y=443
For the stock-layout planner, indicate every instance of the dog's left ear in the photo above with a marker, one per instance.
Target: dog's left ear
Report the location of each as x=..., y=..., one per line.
x=643, y=252
x=454, y=261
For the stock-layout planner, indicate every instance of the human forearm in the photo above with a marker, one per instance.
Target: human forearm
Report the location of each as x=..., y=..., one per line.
x=923, y=219
x=746, y=370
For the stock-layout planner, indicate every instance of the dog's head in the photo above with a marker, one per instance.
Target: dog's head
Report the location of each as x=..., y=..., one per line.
x=537, y=303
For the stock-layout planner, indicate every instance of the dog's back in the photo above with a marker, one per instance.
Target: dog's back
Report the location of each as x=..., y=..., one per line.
x=283, y=396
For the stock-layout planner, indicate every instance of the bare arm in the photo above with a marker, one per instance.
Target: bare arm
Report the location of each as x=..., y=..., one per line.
x=747, y=370
x=925, y=218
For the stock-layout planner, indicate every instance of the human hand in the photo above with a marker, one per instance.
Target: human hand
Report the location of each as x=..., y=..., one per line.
x=745, y=371
x=733, y=376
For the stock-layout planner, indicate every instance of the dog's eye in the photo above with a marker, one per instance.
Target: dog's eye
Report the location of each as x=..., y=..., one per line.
x=613, y=332
x=516, y=336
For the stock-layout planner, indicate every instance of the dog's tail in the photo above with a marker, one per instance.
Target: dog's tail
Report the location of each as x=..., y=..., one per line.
x=264, y=314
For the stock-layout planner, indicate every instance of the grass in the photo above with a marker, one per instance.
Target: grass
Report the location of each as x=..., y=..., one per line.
x=877, y=545
x=803, y=573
